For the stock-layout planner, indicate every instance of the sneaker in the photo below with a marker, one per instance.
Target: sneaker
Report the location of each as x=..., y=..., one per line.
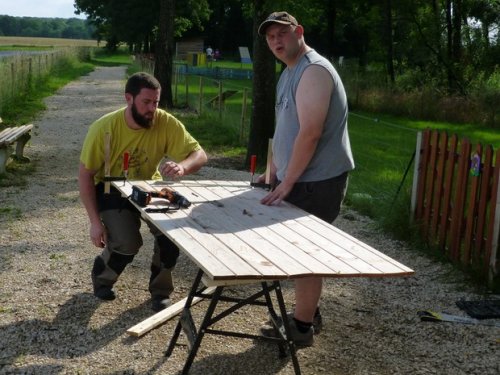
x=105, y=293
x=159, y=303
x=300, y=339
x=317, y=322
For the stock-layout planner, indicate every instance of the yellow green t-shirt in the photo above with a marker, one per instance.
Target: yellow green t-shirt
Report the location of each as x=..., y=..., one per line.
x=167, y=137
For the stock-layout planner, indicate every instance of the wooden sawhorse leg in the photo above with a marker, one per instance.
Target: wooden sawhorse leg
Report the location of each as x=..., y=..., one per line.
x=187, y=324
x=195, y=336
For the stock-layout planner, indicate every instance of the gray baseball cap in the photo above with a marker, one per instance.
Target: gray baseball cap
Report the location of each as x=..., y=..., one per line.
x=283, y=18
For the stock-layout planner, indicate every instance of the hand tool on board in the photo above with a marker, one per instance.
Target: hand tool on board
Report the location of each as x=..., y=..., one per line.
x=253, y=164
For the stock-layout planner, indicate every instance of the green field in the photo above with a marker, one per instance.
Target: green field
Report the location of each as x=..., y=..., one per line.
x=20, y=41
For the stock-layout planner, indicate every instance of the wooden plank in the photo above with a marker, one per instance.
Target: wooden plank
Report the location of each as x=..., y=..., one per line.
x=6, y=135
x=416, y=176
x=457, y=215
x=270, y=234
x=448, y=189
x=342, y=260
x=164, y=315
x=471, y=213
x=185, y=234
x=205, y=214
x=422, y=175
x=493, y=236
x=383, y=264
x=10, y=135
x=438, y=199
x=429, y=189
x=247, y=243
x=306, y=241
x=281, y=214
x=276, y=234
x=482, y=212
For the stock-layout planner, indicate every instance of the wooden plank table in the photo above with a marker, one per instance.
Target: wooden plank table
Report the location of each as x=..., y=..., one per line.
x=234, y=239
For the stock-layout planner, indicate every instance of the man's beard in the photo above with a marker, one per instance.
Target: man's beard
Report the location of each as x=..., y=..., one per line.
x=141, y=120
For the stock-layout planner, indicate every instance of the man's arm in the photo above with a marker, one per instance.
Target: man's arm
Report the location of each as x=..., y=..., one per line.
x=191, y=164
x=89, y=200
x=313, y=100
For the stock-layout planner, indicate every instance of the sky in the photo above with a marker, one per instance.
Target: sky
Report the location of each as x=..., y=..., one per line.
x=39, y=8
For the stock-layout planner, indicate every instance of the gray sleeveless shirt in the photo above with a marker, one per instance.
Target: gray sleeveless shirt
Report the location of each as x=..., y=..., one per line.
x=333, y=154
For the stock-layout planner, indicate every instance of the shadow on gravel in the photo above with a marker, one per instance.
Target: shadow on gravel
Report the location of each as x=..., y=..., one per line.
x=261, y=359
x=69, y=335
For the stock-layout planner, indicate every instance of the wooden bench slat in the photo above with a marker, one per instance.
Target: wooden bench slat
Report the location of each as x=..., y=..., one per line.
x=10, y=135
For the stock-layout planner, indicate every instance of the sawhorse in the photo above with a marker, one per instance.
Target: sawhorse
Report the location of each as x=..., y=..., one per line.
x=195, y=335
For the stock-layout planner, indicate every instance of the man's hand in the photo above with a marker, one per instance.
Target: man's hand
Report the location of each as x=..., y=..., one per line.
x=98, y=235
x=172, y=169
x=277, y=195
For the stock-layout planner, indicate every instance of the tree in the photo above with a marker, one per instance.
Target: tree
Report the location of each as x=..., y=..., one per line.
x=164, y=52
x=264, y=72
x=138, y=25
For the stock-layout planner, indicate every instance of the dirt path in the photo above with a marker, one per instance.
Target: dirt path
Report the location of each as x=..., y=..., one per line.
x=51, y=324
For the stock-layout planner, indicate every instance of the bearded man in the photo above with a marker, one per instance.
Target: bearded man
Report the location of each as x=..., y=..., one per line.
x=133, y=141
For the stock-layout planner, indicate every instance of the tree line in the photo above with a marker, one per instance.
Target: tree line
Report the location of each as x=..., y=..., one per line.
x=450, y=47
x=71, y=28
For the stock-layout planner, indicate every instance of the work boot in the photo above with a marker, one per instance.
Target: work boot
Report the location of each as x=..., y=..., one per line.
x=159, y=303
x=300, y=339
x=105, y=293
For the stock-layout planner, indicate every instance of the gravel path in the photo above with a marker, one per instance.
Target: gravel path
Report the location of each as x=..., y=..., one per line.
x=50, y=323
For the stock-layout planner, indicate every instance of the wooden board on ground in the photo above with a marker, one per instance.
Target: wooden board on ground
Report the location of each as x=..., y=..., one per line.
x=161, y=317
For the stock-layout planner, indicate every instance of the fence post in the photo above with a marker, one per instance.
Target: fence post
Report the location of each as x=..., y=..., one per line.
x=431, y=183
x=176, y=80
x=416, y=167
x=13, y=78
x=220, y=100
x=186, y=80
x=30, y=73
x=459, y=201
x=494, y=234
x=243, y=113
x=201, y=94
x=472, y=208
x=439, y=185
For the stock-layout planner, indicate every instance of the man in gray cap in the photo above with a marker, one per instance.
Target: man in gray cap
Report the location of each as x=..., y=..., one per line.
x=311, y=149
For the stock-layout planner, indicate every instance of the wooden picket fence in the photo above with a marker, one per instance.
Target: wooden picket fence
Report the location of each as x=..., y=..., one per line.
x=456, y=200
